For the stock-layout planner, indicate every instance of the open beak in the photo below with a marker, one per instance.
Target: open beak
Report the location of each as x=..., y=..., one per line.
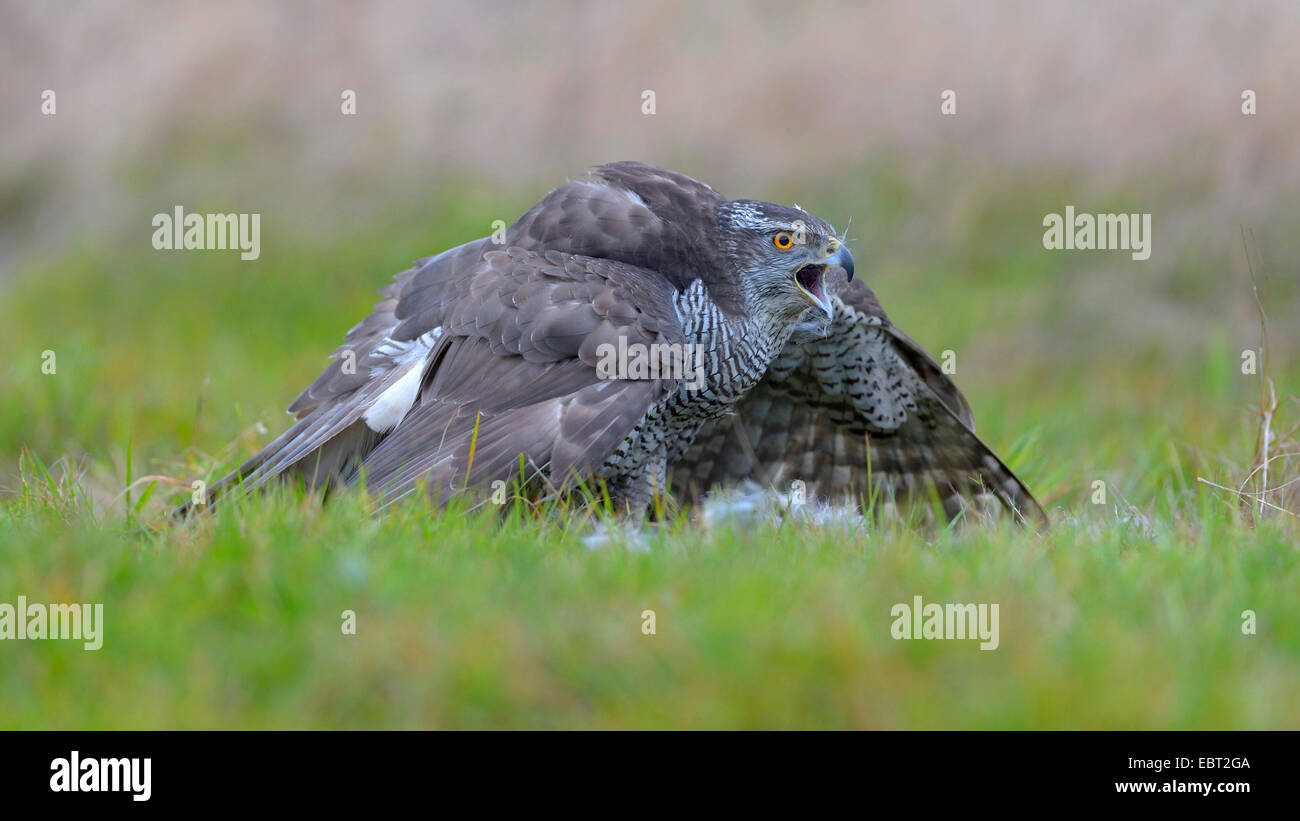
x=811, y=278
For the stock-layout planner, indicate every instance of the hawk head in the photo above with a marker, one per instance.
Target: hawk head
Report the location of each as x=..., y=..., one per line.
x=781, y=256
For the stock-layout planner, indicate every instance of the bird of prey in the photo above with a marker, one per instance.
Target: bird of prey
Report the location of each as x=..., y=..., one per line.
x=489, y=363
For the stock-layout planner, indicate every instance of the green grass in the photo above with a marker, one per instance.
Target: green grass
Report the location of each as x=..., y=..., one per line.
x=467, y=621
x=1128, y=614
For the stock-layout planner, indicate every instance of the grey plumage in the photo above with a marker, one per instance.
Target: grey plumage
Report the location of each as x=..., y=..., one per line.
x=483, y=363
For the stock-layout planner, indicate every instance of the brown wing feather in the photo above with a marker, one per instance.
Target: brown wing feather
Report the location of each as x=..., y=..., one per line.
x=515, y=375
x=646, y=219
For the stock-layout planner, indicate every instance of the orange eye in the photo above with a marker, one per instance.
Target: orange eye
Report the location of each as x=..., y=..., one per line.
x=783, y=241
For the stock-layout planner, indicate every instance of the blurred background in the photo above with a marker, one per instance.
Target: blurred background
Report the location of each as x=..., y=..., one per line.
x=1081, y=364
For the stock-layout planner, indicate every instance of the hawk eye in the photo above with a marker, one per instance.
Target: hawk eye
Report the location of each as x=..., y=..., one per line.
x=783, y=240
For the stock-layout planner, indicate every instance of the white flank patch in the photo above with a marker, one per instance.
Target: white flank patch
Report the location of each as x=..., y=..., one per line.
x=394, y=402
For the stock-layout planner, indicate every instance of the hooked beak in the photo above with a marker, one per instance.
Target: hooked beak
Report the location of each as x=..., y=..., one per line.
x=811, y=278
x=842, y=258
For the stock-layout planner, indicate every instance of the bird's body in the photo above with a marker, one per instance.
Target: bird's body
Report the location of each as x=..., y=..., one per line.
x=736, y=352
x=488, y=363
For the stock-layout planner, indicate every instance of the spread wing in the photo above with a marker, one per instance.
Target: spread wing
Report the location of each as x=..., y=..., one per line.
x=500, y=368
x=364, y=378
x=862, y=412
x=512, y=384
x=516, y=322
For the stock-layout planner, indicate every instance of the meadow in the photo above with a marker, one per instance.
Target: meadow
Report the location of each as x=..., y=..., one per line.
x=1080, y=369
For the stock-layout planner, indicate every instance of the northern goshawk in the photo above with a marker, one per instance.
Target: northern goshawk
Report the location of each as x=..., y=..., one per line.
x=491, y=363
